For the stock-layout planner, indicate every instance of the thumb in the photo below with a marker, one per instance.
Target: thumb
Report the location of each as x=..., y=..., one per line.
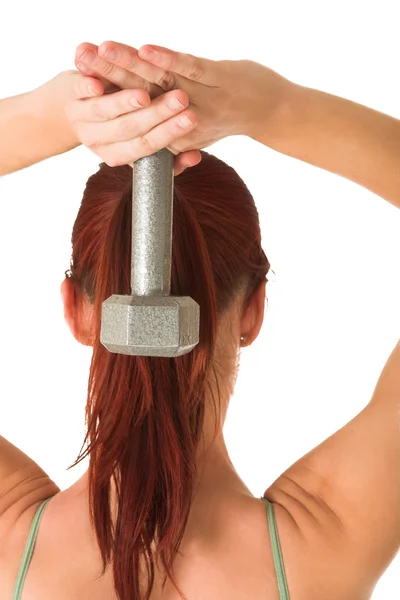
x=185, y=160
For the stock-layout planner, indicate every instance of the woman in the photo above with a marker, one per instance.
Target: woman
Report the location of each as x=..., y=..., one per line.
x=160, y=478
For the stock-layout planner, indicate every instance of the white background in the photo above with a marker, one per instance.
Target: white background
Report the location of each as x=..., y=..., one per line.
x=333, y=314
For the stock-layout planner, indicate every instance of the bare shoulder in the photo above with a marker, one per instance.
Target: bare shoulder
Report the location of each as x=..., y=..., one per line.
x=338, y=506
x=314, y=543
x=23, y=483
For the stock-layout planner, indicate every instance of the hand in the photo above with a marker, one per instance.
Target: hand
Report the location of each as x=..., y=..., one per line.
x=118, y=132
x=88, y=62
x=229, y=97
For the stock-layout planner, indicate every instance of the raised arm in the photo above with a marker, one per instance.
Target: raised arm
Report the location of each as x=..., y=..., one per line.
x=343, y=137
x=244, y=97
x=33, y=127
x=119, y=126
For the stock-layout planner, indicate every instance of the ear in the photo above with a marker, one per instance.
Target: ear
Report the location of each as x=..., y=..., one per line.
x=253, y=317
x=67, y=291
x=78, y=313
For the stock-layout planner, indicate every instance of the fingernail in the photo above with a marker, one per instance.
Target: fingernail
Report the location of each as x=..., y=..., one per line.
x=184, y=121
x=82, y=67
x=88, y=57
x=147, y=53
x=135, y=102
x=175, y=103
x=111, y=54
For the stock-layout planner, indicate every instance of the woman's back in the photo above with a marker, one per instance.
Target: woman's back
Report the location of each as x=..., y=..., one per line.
x=226, y=551
x=234, y=561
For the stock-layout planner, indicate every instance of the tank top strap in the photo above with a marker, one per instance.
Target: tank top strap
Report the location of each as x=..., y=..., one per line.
x=276, y=551
x=30, y=545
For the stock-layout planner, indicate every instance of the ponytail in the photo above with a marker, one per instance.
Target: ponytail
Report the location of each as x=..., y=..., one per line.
x=145, y=415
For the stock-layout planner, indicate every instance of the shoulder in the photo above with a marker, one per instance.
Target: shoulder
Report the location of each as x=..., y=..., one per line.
x=310, y=541
x=339, y=505
x=320, y=529
x=23, y=485
x=314, y=547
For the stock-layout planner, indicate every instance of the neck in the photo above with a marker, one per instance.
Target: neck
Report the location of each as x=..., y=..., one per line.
x=216, y=483
x=216, y=476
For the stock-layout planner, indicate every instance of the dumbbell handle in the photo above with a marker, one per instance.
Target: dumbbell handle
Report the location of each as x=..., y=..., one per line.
x=152, y=212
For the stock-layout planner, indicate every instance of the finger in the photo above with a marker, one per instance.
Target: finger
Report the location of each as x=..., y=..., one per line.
x=160, y=137
x=186, y=160
x=129, y=126
x=88, y=60
x=111, y=106
x=87, y=87
x=127, y=57
x=109, y=87
x=189, y=66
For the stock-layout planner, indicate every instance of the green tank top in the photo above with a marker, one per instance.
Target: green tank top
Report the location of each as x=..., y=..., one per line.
x=276, y=552
x=273, y=532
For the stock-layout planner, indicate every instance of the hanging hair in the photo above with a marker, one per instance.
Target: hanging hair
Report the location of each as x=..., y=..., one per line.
x=144, y=415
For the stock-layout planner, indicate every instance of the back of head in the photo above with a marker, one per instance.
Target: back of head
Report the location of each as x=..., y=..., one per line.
x=145, y=414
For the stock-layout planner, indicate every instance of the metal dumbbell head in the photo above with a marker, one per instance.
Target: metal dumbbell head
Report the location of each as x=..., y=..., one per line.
x=150, y=326
x=150, y=322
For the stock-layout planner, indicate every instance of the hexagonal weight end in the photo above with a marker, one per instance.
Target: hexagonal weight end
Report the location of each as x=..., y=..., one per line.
x=150, y=325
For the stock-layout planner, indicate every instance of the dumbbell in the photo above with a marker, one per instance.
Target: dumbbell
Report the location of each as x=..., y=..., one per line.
x=150, y=322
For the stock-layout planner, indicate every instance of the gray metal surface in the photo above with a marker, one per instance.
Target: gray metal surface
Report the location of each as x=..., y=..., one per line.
x=150, y=322
x=152, y=212
x=150, y=326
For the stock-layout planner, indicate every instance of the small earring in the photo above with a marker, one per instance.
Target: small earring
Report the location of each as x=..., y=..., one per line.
x=242, y=339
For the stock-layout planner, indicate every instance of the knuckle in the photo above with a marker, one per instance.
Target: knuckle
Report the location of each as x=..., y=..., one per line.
x=146, y=146
x=131, y=63
x=196, y=71
x=105, y=68
x=165, y=80
x=162, y=110
x=127, y=129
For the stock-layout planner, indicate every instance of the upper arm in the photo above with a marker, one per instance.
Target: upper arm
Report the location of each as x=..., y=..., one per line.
x=22, y=482
x=355, y=475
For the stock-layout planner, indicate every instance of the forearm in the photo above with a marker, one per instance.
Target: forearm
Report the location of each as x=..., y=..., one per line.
x=33, y=127
x=340, y=136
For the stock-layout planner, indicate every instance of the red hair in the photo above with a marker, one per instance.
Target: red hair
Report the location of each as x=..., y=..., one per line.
x=144, y=415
